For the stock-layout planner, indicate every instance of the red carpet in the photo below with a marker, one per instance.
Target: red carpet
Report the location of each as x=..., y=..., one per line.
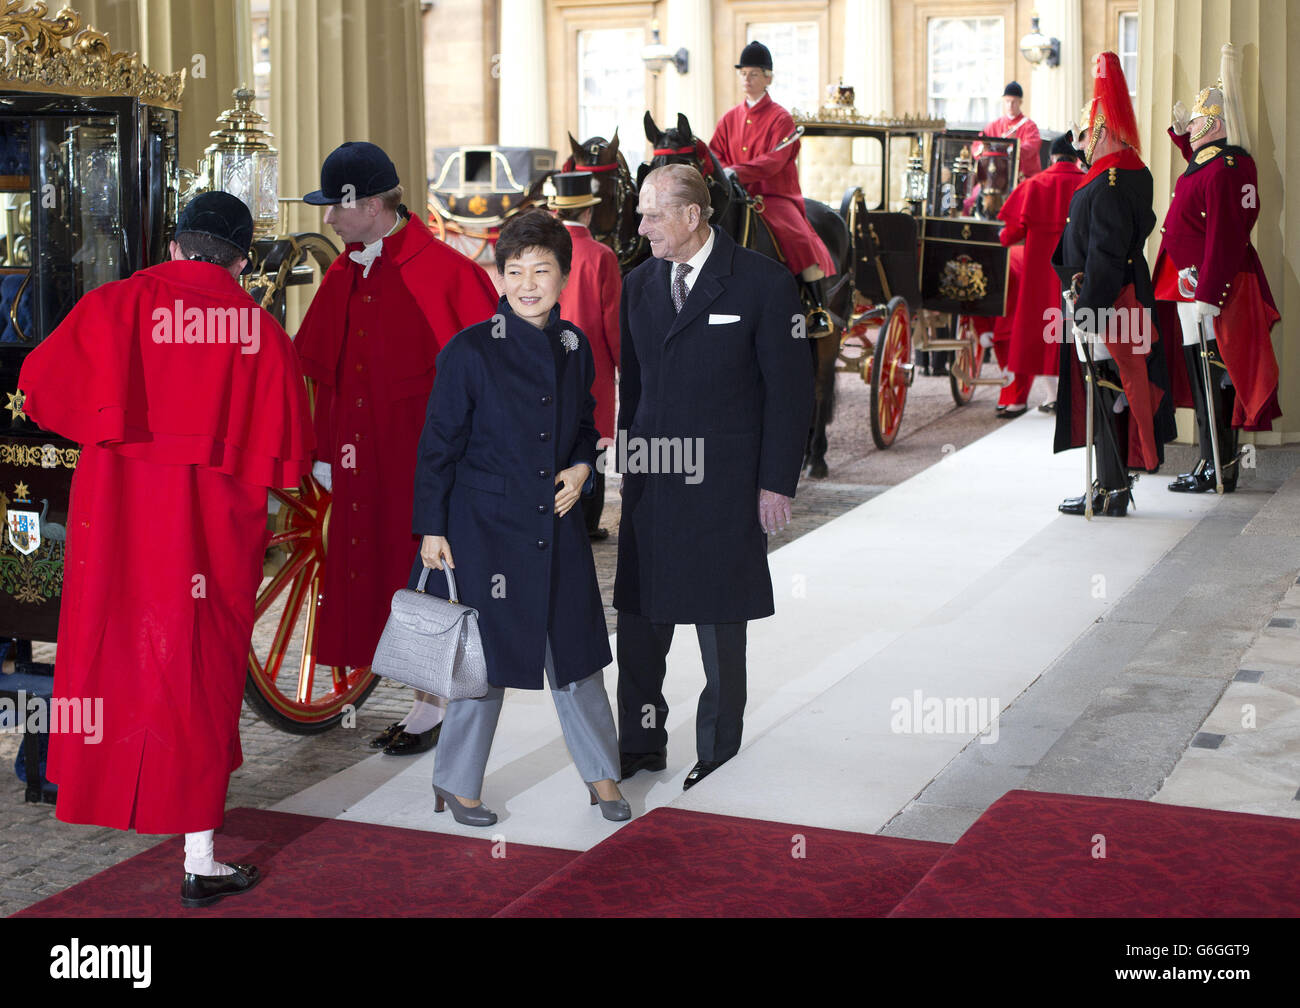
x=673, y=863
x=1032, y=855
x=320, y=868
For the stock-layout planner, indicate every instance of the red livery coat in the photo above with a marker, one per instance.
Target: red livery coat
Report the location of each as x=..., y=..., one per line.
x=165, y=539
x=1214, y=208
x=1035, y=214
x=370, y=344
x=591, y=300
x=745, y=139
x=1025, y=130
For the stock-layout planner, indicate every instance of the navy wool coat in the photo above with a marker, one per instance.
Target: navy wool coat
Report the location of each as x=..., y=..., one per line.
x=503, y=419
x=733, y=373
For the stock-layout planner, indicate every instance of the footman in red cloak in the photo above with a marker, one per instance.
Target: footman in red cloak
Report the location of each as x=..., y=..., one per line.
x=188, y=401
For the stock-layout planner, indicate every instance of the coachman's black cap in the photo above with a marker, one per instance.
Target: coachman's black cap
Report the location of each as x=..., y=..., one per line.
x=359, y=165
x=218, y=215
x=755, y=55
x=1013, y=90
x=1063, y=146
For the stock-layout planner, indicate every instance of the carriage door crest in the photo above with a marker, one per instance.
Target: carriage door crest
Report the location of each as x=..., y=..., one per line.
x=24, y=528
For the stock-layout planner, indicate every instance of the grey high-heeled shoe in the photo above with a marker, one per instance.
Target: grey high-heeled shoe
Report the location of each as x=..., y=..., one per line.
x=616, y=810
x=466, y=815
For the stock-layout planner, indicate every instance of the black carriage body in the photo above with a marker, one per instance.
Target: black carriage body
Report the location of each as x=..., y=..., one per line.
x=478, y=185
x=87, y=195
x=963, y=265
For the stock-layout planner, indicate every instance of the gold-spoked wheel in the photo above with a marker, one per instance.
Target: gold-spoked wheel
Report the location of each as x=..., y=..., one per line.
x=967, y=362
x=891, y=373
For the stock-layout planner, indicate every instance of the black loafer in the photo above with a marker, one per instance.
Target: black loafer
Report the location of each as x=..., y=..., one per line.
x=1011, y=412
x=1047, y=407
x=598, y=535
x=385, y=738
x=204, y=890
x=407, y=744
x=698, y=772
x=631, y=762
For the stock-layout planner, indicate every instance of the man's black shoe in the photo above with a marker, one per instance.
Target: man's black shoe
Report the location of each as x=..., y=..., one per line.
x=631, y=762
x=1011, y=412
x=407, y=744
x=385, y=738
x=698, y=772
x=1201, y=479
x=204, y=890
x=598, y=535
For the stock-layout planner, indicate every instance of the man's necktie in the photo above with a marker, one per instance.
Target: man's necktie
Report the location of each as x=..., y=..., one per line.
x=679, y=285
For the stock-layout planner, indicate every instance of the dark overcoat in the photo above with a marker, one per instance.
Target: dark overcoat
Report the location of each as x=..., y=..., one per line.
x=732, y=370
x=511, y=407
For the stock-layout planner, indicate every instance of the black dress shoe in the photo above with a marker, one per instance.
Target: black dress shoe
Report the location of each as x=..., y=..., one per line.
x=631, y=762
x=1047, y=407
x=1107, y=503
x=407, y=744
x=698, y=772
x=598, y=535
x=1011, y=412
x=385, y=738
x=999, y=409
x=204, y=890
x=1201, y=479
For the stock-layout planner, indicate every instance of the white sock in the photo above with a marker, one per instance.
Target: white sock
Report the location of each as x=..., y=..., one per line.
x=424, y=715
x=198, y=855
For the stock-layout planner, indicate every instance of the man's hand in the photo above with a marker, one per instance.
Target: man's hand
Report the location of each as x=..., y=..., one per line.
x=434, y=550
x=321, y=471
x=773, y=511
x=569, y=484
x=1181, y=118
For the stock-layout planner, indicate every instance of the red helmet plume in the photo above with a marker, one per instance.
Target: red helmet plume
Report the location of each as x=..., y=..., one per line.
x=1110, y=100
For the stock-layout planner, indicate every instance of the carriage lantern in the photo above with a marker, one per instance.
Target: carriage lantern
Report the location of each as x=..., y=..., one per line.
x=917, y=180
x=962, y=166
x=242, y=162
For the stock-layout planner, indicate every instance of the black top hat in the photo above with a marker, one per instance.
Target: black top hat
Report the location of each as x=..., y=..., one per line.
x=353, y=171
x=755, y=55
x=1014, y=90
x=1063, y=146
x=572, y=191
x=219, y=215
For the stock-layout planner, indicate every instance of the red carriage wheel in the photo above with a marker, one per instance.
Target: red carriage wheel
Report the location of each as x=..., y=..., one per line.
x=891, y=373
x=285, y=684
x=967, y=362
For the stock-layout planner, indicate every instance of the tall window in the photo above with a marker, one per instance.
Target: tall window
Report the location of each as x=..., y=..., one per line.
x=611, y=89
x=796, y=62
x=1128, y=49
x=965, y=70
x=261, y=24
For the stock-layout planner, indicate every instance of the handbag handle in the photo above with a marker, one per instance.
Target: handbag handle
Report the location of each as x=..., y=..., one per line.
x=451, y=582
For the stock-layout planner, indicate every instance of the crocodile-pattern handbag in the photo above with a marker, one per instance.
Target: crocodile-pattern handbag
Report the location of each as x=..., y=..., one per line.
x=433, y=643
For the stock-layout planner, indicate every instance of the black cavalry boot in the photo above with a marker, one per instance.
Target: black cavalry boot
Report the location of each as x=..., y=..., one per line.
x=818, y=319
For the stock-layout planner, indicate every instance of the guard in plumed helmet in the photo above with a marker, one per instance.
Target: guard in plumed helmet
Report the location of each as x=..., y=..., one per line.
x=1107, y=333
x=1208, y=276
x=385, y=308
x=754, y=142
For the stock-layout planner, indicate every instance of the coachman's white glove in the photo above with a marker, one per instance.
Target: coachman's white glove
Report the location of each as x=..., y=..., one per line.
x=1181, y=118
x=321, y=470
x=1206, y=310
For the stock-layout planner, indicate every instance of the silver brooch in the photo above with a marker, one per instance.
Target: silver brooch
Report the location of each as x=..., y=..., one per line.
x=569, y=340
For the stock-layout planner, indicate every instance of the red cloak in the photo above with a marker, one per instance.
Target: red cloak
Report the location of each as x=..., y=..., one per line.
x=1025, y=130
x=370, y=343
x=745, y=139
x=591, y=300
x=166, y=535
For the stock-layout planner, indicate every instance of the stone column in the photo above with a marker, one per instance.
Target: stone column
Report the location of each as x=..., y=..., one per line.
x=1056, y=94
x=1179, y=51
x=689, y=24
x=867, y=30
x=521, y=117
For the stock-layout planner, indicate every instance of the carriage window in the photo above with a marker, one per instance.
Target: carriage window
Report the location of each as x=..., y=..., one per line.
x=965, y=70
x=1128, y=49
x=611, y=88
x=796, y=62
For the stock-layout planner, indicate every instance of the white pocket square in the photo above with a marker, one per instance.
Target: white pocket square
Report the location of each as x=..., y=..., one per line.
x=723, y=319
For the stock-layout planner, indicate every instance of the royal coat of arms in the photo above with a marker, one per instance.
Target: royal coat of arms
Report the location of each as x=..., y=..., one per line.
x=24, y=531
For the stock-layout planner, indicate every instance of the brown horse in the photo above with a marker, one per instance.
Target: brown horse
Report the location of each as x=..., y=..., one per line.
x=614, y=221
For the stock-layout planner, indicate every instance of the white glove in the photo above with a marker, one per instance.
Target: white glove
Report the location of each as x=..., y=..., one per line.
x=321, y=471
x=1206, y=310
x=729, y=172
x=1181, y=118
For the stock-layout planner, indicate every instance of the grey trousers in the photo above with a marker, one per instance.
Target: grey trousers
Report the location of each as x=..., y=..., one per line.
x=585, y=719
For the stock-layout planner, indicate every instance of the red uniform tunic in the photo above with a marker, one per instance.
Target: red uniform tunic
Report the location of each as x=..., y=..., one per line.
x=745, y=139
x=1025, y=130
x=1213, y=211
x=165, y=540
x=591, y=301
x=1035, y=214
x=370, y=343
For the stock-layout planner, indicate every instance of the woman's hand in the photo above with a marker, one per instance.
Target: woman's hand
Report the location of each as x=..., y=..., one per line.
x=569, y=487
x=435, y=549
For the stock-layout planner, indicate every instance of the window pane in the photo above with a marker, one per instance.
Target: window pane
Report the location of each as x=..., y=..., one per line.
x=965, y=70
x=1128, y=49
x=796, y=62
x=611, y=88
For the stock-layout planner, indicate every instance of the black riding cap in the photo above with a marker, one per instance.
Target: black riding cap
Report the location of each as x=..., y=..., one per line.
x=359, y=165
x=1063, y=146
x=218, y=215
x=1013, y=90
x=755, y=55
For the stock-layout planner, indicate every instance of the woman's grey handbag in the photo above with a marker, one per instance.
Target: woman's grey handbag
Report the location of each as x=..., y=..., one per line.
x=433, y=643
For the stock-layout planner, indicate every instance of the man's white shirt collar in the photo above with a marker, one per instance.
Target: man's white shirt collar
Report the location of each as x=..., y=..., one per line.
x=695, y=262
x=367, y=255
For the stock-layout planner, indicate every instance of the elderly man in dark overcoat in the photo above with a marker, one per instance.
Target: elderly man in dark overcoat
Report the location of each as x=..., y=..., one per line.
x=716, y=397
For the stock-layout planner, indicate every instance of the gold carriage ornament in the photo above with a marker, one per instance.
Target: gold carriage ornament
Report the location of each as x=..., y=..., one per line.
x=840, y=108
x=963, y=280
x=242, y=162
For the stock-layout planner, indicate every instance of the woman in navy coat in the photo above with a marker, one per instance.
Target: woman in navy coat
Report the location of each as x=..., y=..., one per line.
x=508, y=447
